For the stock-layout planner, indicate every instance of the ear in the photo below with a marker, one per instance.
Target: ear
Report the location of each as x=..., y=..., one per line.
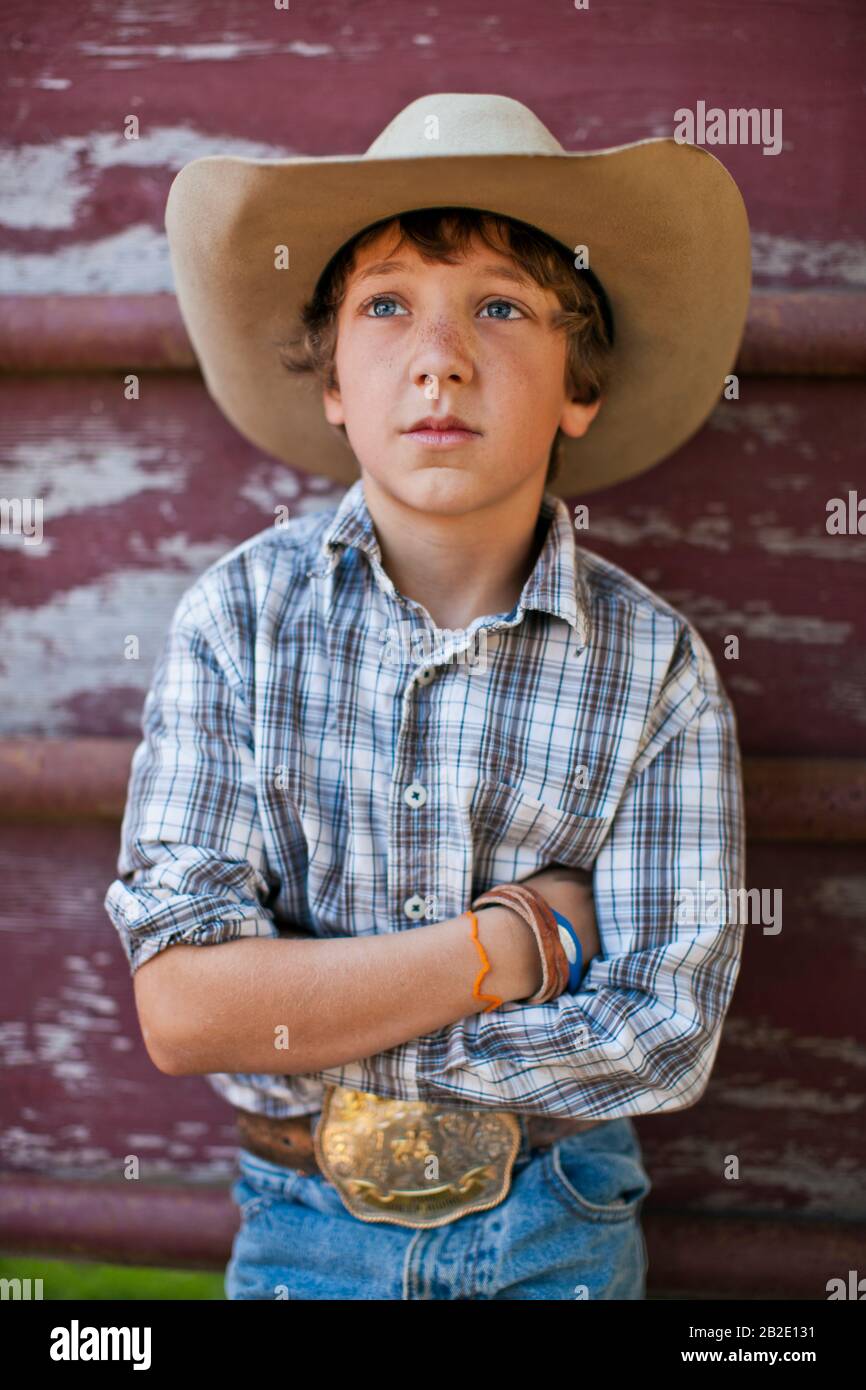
x=333, y=405
x=576, y=417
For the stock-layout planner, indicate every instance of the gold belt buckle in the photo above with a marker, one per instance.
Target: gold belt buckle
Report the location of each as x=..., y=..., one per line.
x=411, y=1162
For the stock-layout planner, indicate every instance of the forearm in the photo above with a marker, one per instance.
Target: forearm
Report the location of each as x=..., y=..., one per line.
x=300, y=1005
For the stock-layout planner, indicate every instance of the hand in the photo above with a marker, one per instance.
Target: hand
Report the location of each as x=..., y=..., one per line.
x=570, y=892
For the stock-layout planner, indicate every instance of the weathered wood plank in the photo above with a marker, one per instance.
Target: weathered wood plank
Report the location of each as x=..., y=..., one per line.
x=786, y=1096
x=690, y=1256
x=795, y=333
x=140, y=496
x=84, y=212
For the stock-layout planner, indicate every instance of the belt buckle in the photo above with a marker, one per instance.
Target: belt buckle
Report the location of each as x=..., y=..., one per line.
x=411, y=1162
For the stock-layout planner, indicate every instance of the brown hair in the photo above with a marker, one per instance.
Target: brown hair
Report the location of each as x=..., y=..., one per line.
x=444, y=234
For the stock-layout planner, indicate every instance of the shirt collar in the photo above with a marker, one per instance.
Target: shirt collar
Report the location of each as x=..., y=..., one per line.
x=556, y=585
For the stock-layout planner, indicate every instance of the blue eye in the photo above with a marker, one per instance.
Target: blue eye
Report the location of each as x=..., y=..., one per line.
x=506, y=302
x=374, y=304
x=384, y=300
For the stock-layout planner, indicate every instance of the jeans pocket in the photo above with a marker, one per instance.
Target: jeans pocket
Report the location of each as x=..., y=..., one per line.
x=256, y=1206
x=251, y=1201
x=600, y=1184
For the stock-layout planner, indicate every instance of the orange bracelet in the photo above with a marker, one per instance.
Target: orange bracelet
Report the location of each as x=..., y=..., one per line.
x=484, y=969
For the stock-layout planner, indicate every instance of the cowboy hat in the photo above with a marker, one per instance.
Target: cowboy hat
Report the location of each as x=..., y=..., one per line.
x=664, y=223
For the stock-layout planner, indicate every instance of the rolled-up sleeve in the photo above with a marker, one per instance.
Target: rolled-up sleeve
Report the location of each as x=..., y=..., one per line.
x=642, y=1033
x=191, y=866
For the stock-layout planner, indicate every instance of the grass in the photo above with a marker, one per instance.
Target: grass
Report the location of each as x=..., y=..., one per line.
x=87, y=1280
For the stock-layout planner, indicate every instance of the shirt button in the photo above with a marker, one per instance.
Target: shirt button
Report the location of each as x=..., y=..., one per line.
x=426, y=675
x=414, y=907
x=415, y=795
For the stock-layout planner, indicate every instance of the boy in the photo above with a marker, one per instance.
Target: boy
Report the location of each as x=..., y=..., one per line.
x=330, y=786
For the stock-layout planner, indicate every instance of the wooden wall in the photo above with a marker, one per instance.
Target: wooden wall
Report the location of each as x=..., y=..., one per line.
x=140, y=497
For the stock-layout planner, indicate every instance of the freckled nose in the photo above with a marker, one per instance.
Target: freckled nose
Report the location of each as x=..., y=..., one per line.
x=441, y=349
x=441, y=332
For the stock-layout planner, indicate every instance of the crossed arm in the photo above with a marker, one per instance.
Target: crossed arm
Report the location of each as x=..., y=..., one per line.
x=642, y=1033
x=300, y=1004
x=640, y=1036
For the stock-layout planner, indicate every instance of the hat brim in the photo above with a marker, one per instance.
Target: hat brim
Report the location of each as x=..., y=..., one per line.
x=667, y=233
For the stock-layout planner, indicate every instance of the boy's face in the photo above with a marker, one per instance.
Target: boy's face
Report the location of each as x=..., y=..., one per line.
x=485, y=342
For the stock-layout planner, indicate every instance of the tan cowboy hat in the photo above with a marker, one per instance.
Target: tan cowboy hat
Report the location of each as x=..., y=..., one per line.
x=665, y=225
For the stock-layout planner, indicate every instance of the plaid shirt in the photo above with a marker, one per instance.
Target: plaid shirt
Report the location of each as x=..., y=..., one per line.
x=308, y=764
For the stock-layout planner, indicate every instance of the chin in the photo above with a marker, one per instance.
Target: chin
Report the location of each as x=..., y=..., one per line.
x=444, y=484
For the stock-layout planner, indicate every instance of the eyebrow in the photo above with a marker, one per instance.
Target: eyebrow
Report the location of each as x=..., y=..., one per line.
x=489, y=271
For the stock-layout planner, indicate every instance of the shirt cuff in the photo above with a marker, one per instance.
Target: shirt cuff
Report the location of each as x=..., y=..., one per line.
x=149, y=920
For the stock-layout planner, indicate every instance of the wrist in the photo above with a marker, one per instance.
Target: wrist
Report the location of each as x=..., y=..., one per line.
x=516, y=969
x=569, y=891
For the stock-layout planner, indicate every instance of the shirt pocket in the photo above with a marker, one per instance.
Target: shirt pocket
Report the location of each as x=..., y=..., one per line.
x=514, y=834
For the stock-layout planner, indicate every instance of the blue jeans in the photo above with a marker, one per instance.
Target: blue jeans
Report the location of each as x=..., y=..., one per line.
x=568, y=1228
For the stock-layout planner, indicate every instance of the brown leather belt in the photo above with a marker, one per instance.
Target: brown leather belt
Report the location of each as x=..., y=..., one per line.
x=289, y=1142
x=408, y=1162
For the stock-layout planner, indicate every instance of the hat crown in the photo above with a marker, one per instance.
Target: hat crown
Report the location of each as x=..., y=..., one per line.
x=463, y=123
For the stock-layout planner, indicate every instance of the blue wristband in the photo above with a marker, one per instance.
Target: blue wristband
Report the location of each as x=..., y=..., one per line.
x=573, y=950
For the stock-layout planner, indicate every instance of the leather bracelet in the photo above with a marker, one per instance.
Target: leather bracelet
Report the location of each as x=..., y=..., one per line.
x=530, y=905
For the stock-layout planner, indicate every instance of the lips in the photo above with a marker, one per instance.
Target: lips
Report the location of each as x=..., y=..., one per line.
x=441, y=424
